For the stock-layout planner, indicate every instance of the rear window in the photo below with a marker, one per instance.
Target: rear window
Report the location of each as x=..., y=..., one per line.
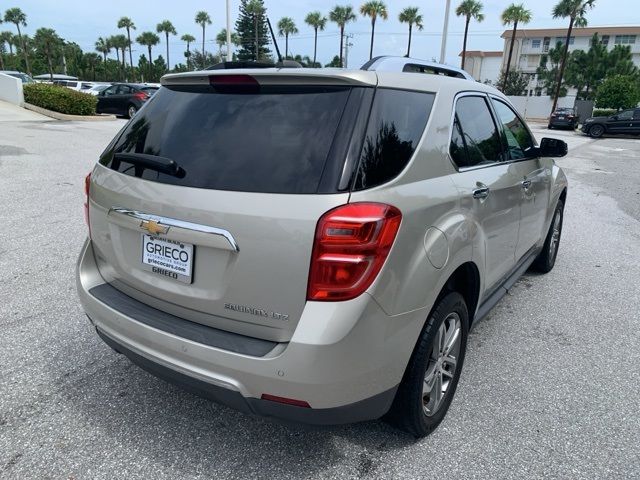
x=275, y=141
x=398, y=118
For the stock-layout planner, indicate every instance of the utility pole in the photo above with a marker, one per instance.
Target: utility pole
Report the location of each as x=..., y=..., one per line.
x=445, y=30
x=64, y=62
x=229, y=55
x=347, y=44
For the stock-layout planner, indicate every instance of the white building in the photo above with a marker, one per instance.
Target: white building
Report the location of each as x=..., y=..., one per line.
x=483, y=66
x=531, y=44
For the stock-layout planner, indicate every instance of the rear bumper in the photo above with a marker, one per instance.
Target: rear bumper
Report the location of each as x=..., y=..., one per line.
x=563, y=123
x=344, y=362
x=366, y=409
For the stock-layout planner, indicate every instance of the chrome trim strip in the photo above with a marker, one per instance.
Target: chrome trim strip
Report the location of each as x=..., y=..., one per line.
x=172, y=222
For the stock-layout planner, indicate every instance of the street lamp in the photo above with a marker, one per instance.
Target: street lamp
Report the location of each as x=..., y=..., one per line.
x=229, y=55
x=445, y=28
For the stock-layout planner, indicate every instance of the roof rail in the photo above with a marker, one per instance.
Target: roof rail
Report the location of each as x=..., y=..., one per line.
x=413, y=65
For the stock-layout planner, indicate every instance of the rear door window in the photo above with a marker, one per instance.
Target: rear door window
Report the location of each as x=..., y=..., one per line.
x=397, y=121
x=274, y=141
x=475, y=140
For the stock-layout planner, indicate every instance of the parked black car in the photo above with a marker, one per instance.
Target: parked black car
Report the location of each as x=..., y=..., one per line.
x=624, y=122
x=565, y=117
x=124, y=98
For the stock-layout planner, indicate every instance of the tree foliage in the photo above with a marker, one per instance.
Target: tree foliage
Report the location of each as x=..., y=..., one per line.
x=253, y=31
x=619, y=92
x=548, y=70
x=514, y=82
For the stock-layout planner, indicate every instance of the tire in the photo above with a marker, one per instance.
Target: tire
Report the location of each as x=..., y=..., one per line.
x=596, y=131
x=448, y=321
x=131, y=110
x=550, y=127
x=546, y=259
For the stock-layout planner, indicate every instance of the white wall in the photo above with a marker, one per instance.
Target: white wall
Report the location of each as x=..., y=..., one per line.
x=538, y=107
x=490, y=69
x=11, y=89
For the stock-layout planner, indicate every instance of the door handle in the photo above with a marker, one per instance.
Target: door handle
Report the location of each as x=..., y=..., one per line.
x=481, y=192
x=526, y=184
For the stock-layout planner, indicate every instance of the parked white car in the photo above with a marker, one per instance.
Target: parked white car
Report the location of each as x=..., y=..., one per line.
x=97, y=88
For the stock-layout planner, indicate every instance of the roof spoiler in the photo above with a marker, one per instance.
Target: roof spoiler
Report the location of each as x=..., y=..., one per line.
x=413, y=65
x=244, y=64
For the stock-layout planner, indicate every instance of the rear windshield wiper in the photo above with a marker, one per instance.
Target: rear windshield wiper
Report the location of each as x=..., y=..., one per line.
x=142, y=161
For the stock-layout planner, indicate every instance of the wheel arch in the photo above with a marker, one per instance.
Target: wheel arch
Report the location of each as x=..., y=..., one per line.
x=466, y=281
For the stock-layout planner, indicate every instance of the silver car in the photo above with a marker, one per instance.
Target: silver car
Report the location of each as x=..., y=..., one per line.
x=314, y=245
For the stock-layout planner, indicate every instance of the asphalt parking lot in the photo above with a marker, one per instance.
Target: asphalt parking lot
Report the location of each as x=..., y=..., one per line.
x=550, y=387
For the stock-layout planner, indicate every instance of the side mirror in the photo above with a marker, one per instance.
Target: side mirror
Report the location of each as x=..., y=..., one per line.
x=614, y=117
x=552, y=147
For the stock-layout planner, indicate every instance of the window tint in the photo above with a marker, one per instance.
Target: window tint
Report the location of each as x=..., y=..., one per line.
x=517, y=137
x=458, y=149
x=626, y=115
x=476, y=132
x=274, y=141
x=396, y=123
x=123, y=90
x=110, y=90
x=636, y=114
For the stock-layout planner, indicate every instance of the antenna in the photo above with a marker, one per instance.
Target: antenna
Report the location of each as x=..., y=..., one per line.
x=274, y=41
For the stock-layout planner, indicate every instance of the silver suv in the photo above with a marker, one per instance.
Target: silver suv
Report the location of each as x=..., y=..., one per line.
x=314, y=245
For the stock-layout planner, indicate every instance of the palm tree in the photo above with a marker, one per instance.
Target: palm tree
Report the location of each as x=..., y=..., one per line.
x=317, y=21
x=104, y=47
x=47, y=41
x=126, y=22
x=18, y=18
x=2, y=42
x=373, y=9
x=576, y=11
x=189, y=39
x=113, y=41
x=92, y=59
x=256, y=8
x=203, y=19
x=167, y=28
x=469, y=9
x=119, y=44
x=411, y=16
x=221, y=40
x=8, y=38
x=149, y=39
x=286, y=27
x=341, y=16
x=514, y=14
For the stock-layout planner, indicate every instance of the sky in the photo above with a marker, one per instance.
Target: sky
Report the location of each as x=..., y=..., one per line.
x=84, y=21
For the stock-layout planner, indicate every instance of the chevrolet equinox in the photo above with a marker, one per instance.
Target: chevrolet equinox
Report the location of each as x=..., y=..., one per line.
x=313, y=245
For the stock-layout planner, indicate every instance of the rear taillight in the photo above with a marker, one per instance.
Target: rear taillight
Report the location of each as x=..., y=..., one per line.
x=234, y=83
x=140, y=96
x=87, y=186
x=351, y=245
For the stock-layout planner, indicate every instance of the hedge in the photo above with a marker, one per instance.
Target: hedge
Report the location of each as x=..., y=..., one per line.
x=604, y=112
x=60, y=99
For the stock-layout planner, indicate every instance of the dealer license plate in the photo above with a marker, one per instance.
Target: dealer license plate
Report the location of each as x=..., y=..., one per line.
x=168, y=258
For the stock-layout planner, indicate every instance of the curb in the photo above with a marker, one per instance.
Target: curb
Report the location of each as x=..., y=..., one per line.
x=64, y=116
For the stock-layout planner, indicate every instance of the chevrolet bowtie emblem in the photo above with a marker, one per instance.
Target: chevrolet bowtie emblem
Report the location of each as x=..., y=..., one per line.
x=153, y=227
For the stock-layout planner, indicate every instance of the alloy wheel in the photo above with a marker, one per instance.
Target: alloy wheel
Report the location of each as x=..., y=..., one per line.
x=555, y=234
x=441, y=367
